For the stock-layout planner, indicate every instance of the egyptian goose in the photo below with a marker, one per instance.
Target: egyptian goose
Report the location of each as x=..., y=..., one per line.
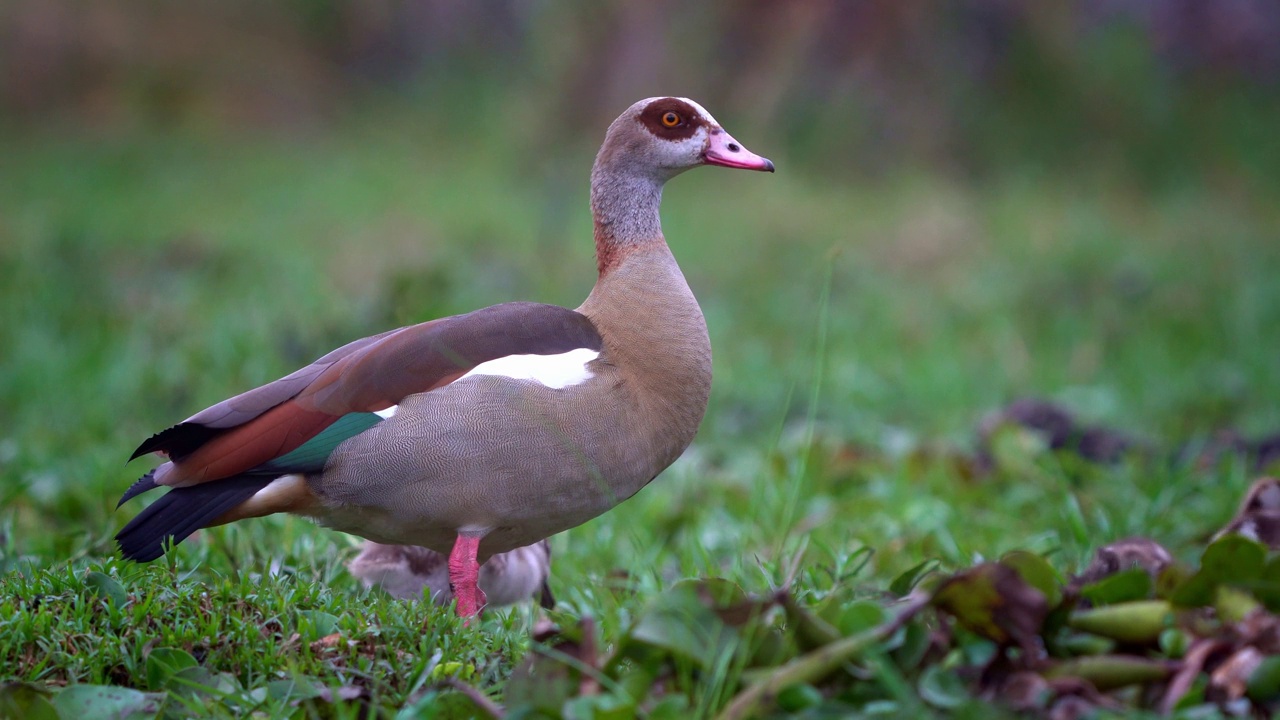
x=477, y=434
x=404, y=571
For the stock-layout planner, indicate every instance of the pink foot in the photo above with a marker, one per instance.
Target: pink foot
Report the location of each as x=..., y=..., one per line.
x=464, y=574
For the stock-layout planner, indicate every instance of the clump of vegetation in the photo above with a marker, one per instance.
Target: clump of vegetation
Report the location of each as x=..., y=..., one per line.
x=1010, y=634
x=1135, y=631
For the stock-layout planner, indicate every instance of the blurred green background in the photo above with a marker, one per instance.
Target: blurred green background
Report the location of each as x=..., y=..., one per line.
x=1072, y=200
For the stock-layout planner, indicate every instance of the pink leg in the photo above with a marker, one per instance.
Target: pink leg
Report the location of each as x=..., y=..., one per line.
x=464, y=573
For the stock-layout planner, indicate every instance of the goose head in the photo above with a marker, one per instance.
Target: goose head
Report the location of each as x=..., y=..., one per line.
x=662, y=137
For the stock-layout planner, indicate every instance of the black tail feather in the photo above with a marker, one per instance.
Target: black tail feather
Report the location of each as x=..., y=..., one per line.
x=143, y=484
x=178, y=441
x=181, y=512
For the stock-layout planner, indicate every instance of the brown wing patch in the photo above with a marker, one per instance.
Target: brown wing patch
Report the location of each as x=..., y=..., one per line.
x=368, y=375
x=688, y=119
x=418, y=359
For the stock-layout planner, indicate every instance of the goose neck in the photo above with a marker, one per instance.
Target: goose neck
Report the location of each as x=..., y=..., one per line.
x=625, y=209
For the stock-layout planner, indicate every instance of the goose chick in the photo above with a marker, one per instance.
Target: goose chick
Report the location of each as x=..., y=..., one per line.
x=405, y=571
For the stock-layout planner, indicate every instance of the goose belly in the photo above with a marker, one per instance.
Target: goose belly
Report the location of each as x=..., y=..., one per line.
x=511, y=459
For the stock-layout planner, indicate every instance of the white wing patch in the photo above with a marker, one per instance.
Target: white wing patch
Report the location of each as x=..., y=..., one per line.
x=387, y=413
x=554, y=371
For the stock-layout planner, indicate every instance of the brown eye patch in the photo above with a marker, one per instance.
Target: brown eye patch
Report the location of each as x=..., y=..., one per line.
x=671, y=119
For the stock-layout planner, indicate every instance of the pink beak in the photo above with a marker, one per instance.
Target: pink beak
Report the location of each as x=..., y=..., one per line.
x=725, y=151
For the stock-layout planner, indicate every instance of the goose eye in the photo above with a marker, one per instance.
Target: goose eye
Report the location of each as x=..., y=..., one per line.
x=670, y=119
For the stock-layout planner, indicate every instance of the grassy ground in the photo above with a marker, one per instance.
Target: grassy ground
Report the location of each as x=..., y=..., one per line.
x=861, y=330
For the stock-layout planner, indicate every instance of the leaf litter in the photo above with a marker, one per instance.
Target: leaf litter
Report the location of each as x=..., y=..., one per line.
x=1134, y=630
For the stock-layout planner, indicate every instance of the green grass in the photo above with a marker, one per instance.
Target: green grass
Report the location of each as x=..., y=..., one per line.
x=860, y=330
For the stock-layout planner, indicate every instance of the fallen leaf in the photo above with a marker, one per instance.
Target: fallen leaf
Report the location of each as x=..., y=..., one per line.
x=994, y=601
x=105, y=586
x=19, y=700
x=1026, y=690
x=164, y=663
x=1108, y=672
x=328, y=642
x=1122, y=555
x=102, y=701
x=1037, y=573
x=1138, y=622
x=1230, y=680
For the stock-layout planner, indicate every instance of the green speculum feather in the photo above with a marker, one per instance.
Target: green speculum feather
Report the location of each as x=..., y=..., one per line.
x=312, y=455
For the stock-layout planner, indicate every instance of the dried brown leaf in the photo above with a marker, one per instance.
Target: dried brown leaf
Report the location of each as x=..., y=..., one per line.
x=1230, y=679
x=994, y=601
x=1120, y=555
